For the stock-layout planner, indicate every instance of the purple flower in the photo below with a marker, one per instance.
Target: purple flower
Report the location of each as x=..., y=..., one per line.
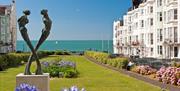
x=26, y=87
x=45, y=64
x=67, y=64
x=73, y=88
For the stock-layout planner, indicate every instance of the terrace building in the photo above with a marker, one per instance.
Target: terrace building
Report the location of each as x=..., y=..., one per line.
x=150, y=30
x=8, y=28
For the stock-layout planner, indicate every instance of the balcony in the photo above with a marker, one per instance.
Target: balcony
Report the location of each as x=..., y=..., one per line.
x=135, y=43
x=170, y=42
x=169, y=2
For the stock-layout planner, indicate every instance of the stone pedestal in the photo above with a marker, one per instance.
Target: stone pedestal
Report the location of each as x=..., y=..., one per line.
x=40, y=81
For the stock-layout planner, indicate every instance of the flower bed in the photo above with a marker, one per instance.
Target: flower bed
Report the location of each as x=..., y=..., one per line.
x=62, y=68
x=144, y=70
x=169, y=75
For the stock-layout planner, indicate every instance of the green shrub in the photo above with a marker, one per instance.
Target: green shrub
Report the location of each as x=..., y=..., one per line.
x=3, y=63
x=16, y=59
x=175, y=64
x=67, y=53
x=59, y=52
x=45, y=53
x=69, y=73
x=105, y=59
x=56, y=70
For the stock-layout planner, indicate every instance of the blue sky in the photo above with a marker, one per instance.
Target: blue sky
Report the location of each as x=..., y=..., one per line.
x=73, y=19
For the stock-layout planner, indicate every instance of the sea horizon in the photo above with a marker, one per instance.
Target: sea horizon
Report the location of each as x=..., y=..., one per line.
x=69, y=45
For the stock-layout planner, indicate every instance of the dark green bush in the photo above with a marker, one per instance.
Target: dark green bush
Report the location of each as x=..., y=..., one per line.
x=15, y=59
x=45, y=53
x=67, y=53
x=70, y=73
x=59, y=52
x=3, y=63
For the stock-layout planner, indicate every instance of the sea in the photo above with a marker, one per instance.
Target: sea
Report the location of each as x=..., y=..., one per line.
x=70, y=45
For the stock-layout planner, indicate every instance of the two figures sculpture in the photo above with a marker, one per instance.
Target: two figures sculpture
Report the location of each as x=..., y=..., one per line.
x=22, y=21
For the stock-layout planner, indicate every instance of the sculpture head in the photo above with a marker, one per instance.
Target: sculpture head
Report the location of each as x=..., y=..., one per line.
x=44, y=12
x=27, y=12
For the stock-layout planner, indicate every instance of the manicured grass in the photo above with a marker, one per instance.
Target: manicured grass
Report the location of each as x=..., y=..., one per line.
x=92, y=77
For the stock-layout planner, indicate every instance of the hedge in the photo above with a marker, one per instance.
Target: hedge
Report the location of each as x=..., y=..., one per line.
x=12, y=60
x=16, y=59
x=104, y=58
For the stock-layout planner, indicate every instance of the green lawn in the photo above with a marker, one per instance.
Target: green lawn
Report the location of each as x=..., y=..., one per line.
x=92, y=76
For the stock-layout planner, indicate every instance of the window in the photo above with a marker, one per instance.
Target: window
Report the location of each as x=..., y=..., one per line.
x=175, y=51
x=161, y=35
x=172, y=14
x=160, y=50
x=175, y=14
x=151, y=9
x=129, y=19
x=151, y=50
x=151, y=38
x=130, y=28
x=151, y=21
x=175, y=34
x=142, y=23
x=142, y=38
x=160, y=16
x=159, y=3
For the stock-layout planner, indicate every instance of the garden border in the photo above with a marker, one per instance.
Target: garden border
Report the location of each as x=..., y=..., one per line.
x=138, y=76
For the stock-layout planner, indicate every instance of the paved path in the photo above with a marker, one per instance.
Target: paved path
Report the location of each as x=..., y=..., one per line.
x=139, y=77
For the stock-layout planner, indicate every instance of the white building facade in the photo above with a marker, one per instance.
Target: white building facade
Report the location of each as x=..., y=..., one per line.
x=8, y=28
x=151, y=30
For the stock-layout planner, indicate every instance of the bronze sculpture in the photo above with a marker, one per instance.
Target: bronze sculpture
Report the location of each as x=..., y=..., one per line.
x=22, y=21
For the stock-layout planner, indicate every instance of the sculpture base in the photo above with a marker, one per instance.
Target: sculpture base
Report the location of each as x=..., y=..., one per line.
x=39, y=81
